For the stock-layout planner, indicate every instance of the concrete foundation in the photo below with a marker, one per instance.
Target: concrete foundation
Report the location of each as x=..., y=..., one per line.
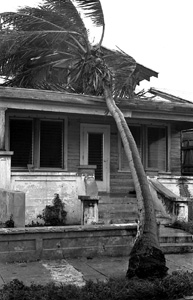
x=12, y=203
x=30, y=244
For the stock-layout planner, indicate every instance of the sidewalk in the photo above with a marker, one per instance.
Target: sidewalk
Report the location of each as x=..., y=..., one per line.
x=77, y=271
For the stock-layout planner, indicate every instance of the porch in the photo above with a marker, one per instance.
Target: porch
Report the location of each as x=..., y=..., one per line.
x=63, y=131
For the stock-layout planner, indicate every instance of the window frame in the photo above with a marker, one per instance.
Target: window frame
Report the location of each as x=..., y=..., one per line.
x=120, y=146
x=144, y=147
x=37, y=118
x=182, y=150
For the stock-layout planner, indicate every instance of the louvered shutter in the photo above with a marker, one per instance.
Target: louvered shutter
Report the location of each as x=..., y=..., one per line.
x=51, y=144
x=21, y=141
x=95, y=153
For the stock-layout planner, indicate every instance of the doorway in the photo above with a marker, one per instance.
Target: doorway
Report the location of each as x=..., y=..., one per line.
x=95, y=150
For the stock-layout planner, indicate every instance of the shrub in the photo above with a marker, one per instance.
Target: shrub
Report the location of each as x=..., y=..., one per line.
x=9, y=223
x=186, y=226
x=171, y=287
x=35, y=224
x=54, y=215
x=178, y=284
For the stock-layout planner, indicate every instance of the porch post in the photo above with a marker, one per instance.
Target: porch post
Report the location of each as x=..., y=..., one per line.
x=2, y=129
x=5, y=156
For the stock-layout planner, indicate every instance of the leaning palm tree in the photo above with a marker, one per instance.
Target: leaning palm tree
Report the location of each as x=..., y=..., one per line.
x=48, y=47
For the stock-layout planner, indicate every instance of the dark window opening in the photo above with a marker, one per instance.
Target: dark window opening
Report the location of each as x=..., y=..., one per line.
x=21, y=141
x=95, y=153
x=39, y=143
x=156, y=148
x=51, y=144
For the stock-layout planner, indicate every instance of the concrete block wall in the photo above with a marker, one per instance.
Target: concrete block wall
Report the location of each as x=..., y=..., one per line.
x=40, y=187
x=12, y=203
x=66, y=242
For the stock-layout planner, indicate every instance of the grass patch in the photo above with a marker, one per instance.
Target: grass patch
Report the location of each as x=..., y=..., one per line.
x=171, y=287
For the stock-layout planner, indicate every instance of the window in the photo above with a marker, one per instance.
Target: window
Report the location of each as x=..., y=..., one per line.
x=37, y=142
x=21, y=142
x=156, y=148
x=187, y=152
x=152, y=143
x=51, y=144
x=136, y=132
x=95, y=153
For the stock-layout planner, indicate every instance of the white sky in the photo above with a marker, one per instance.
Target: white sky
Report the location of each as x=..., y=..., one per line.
x=157, y=33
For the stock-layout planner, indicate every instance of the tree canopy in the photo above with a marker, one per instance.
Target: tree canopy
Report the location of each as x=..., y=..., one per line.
x=48, y=47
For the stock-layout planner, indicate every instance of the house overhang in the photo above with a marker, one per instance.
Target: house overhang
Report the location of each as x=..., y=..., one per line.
x=51, y=101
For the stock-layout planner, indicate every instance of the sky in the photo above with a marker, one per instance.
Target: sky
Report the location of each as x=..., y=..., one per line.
x=156, y=33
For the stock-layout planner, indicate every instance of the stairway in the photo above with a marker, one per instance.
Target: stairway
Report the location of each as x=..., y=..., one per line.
x=120, y=205
x=121, y=183
x=117, y=208
x=175, y=240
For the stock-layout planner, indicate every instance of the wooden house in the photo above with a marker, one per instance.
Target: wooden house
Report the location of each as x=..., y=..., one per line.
x=46, y=135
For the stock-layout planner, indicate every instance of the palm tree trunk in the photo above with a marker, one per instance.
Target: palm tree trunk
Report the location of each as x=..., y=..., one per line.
x=146, y=258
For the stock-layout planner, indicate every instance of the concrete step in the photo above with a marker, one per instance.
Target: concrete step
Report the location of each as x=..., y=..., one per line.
x=169, y=248
x=118, y=215
x=124, y=182
x=122, y=175
x=121, y=188
x=117, y=208
x=176, y=239
x=118, y=200
x=117, y=218
x=120, y=212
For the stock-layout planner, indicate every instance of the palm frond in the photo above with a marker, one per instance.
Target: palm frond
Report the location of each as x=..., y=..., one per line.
x=48, y=47
x=93, y=10
x=36, y=36
x=123, y=67
x=52, y=15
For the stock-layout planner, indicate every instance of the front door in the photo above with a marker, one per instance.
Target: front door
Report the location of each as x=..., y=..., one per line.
x=95, y=150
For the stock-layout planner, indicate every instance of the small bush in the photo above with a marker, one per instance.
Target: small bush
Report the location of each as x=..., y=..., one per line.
x=186, y=226
x=35, y=224
x=171, y=287
x=54, y=215
x=9, y=223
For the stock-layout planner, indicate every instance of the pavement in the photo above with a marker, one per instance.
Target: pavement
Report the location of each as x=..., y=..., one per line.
x=78, y=271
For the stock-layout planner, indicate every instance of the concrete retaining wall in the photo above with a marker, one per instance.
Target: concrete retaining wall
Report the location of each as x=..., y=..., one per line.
x=12, y=203
x=30, y=244
x=40, y=187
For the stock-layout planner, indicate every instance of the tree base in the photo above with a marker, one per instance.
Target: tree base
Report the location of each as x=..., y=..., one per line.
x=146, y=262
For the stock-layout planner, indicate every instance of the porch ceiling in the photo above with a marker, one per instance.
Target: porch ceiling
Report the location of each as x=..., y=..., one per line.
x=143, y=108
